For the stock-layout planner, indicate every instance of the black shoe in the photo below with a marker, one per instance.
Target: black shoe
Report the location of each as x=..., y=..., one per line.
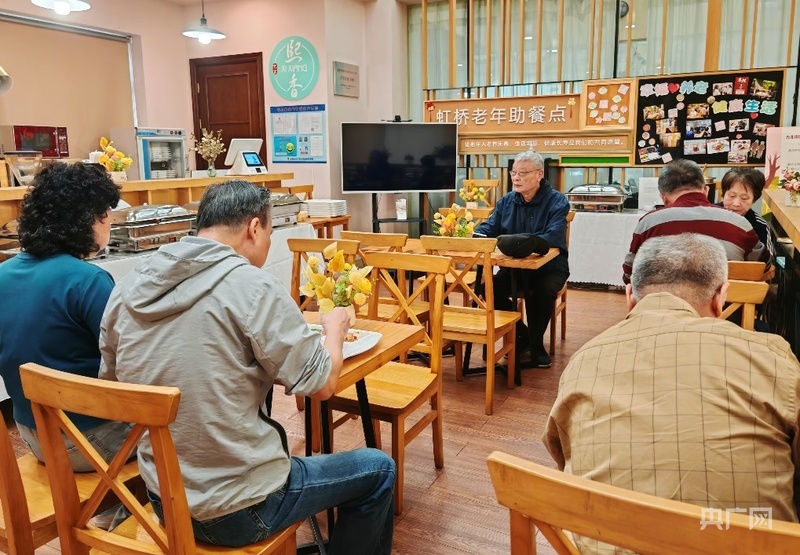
x=542, y=361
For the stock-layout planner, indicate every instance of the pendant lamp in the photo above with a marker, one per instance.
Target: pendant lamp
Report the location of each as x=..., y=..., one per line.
x=5, y=81
x=62, y=7
x=203, y=32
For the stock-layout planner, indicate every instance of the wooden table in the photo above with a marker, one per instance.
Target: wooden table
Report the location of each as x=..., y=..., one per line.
x=324, y=226
x=787, y=216
x=396, y=339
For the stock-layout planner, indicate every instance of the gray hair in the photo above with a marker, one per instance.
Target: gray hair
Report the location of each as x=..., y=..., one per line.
x=690, y=266
x=680, y=175
x=530, y=156
x=233, y=204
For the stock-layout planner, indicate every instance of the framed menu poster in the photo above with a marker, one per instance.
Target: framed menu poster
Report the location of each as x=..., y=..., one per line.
x=711, y=118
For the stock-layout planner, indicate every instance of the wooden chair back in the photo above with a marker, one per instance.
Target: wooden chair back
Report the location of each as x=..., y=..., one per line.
x=302, y=248
x=478, y=214
x=478, y=252
x=149, y=408
x=16, y=534
x=390, y=242
x=492, y=187
x=386, y=265
x=553, y=501
x=745, y=295
x=746, y=270
x=306, y=190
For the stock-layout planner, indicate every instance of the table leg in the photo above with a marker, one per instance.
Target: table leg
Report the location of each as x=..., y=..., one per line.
x=308, y=425
x=366, y=415
x=518, y=373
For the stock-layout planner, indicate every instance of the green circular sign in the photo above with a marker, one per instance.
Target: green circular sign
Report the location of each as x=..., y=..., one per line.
x=294, y=68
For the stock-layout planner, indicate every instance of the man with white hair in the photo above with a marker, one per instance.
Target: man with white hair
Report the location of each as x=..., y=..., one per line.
x=533, y=217
x=674, y=402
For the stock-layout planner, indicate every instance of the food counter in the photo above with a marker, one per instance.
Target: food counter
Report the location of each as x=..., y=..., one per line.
x=154, y=191
x=598, y=243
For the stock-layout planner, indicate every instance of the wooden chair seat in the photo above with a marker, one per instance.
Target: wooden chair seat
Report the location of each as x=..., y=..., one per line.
x=392, y=388
x=465, y=320
x=282, y=543
x=24, y=481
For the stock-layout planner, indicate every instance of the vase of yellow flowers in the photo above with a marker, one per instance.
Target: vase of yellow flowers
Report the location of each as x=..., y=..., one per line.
x=337, y=282
x=209, y=148
x=115, y=161
x=472, y=195
x=458, y=222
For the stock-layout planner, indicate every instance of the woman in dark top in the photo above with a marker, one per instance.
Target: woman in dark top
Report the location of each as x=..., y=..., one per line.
x=53, y=300
x=741, y=187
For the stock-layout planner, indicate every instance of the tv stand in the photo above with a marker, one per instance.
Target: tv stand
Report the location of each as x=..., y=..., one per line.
x=376, y=221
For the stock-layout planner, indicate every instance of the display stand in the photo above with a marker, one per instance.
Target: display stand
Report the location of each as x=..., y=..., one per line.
x=376, y=221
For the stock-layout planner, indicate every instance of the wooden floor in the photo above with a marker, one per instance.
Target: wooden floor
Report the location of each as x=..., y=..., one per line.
x=454, y=510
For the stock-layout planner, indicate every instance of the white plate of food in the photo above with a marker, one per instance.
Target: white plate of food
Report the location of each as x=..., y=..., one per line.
x=356, y=341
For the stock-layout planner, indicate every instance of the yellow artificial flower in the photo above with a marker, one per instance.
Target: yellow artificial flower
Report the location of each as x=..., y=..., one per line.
x=325, y=305
x=329, y=251
x=365, y=286
x=103, y=159
x=359, y=298
x=313, y=263
x=325, y=290
x=336, y=263
x=468, y=216
x=103, y=143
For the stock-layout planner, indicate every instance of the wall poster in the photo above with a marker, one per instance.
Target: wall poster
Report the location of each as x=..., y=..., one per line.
x=298, y=134
x=710, y=118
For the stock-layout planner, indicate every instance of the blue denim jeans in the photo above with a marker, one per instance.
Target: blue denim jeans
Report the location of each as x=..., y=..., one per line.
x=360, y=484
x=106, y=439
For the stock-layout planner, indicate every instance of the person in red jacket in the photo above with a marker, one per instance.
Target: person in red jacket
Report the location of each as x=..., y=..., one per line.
x=687, y=210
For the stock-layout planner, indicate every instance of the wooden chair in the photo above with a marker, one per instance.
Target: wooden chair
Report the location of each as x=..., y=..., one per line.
x=555, y=502
x=481, y=324
x=301, y=248
x=397, y=390
x=385, y=242
x=151, y=409
x=306, y=190
x=745, y=295
x=745, y=270
x=560, y=305
x=27, y=515
x=492, y=187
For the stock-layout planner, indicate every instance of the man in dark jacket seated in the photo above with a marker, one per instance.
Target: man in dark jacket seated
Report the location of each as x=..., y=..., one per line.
x=532, y=207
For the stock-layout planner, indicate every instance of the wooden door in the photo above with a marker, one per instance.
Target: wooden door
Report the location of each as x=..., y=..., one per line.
x=228, y=95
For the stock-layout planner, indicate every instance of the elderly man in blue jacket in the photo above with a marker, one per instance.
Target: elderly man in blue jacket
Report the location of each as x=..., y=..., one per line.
x=535, y=208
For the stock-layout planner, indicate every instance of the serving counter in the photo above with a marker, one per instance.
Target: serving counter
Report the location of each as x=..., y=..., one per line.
x=154, y=191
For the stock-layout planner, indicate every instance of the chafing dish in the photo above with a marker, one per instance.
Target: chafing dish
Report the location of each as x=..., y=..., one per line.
x=596, y=198
x=147, y=227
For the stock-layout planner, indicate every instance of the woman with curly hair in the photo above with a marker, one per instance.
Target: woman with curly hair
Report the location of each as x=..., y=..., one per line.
x=53, y=300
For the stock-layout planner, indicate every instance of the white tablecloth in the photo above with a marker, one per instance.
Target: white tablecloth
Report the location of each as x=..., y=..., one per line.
x=598, y=244
x=279, y=261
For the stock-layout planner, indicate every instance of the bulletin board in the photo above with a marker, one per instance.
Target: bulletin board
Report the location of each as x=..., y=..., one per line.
x=711, y=118
x=298, y=134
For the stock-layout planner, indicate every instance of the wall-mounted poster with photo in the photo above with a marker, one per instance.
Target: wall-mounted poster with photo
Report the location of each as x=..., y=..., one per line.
x=711, y=118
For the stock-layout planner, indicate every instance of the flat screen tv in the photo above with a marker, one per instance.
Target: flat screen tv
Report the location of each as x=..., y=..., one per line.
x=399, y=157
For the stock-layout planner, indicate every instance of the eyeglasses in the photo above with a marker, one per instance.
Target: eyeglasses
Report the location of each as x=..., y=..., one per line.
x=515, y=173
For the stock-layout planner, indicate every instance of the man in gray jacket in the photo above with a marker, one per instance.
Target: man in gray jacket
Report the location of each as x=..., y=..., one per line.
x=201, y=315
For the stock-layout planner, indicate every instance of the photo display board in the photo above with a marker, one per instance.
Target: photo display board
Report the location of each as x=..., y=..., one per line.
x=710, y=118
